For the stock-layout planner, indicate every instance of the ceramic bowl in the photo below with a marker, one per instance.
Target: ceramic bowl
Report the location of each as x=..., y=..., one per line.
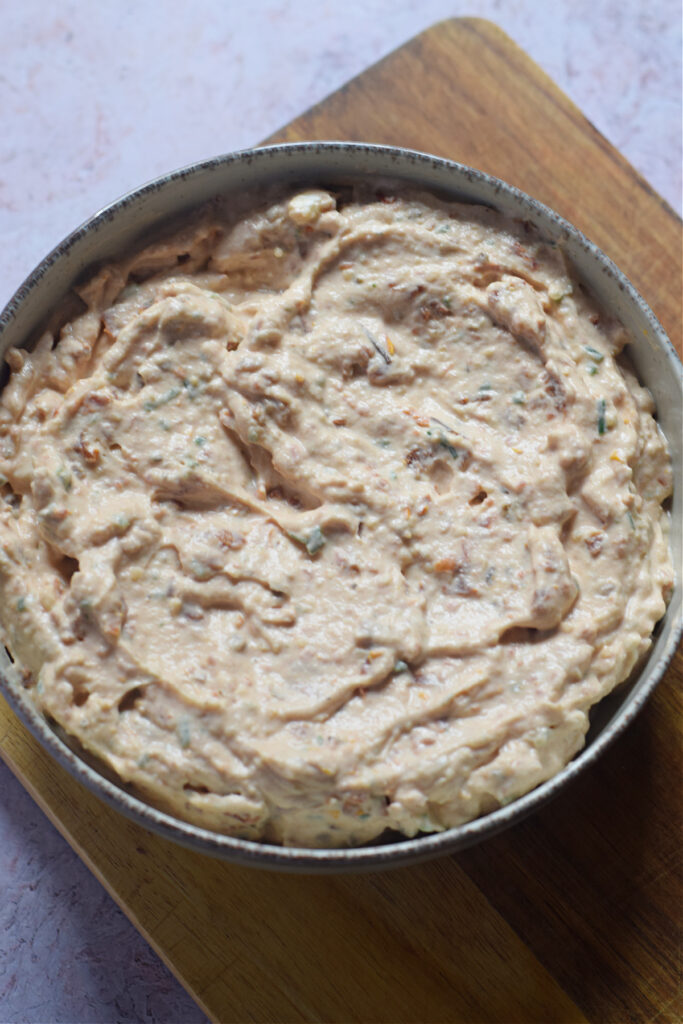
x=141, y=213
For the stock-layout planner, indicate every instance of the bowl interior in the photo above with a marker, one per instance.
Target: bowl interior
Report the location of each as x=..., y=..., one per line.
x=132, y=219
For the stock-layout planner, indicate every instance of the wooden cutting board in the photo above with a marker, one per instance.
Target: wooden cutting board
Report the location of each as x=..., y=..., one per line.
x=573, y=915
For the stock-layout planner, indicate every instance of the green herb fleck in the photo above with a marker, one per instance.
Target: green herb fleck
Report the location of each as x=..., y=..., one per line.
x=183, y=729
x=253, y=434
x=193, y=387
x=400, y=666
x=200, y=441
x=122, y=522
x=21, y=604
x=593, y=353
x=200, y=570
x=155, y=403
x=312, y=541
x=65, y=478
x=593, y=369
x=631, y=520
x=486, y=387
x=449, y=447
x=443, y=229
x=602, y=425
x=315, y=540
x=377, y=347
x=518, y=398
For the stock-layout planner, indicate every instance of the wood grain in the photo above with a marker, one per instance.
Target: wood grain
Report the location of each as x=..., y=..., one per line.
x=418, y=944
x=573, y=915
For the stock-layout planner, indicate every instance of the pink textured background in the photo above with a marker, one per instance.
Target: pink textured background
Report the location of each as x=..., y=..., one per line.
x=96, y=98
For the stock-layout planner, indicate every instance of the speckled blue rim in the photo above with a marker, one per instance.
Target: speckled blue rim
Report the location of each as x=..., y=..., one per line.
x=133, y=216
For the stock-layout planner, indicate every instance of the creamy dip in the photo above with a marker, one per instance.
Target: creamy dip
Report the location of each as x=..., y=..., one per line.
x=331, y=517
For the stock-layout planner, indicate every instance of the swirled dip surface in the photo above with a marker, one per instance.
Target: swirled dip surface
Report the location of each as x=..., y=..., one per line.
x=324, y=521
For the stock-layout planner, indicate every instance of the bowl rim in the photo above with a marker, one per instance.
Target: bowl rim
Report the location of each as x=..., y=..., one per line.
x=375, y=854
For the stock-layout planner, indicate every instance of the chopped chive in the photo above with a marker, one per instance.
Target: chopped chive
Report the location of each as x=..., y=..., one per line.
x=200, y=441
x=631, y=520
x=378, y=348
x=312, y=541
x=193, y=387
x=315, y=540
x=518, y=398
x=602, y=426
x=449, y=447
x=593, y=369
x=21, y=604
x=155, y=403
x=400, y=666
x=593, y=353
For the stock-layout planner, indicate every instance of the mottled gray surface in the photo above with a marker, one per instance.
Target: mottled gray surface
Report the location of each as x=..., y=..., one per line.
x=67, y=953
x=97, y=98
